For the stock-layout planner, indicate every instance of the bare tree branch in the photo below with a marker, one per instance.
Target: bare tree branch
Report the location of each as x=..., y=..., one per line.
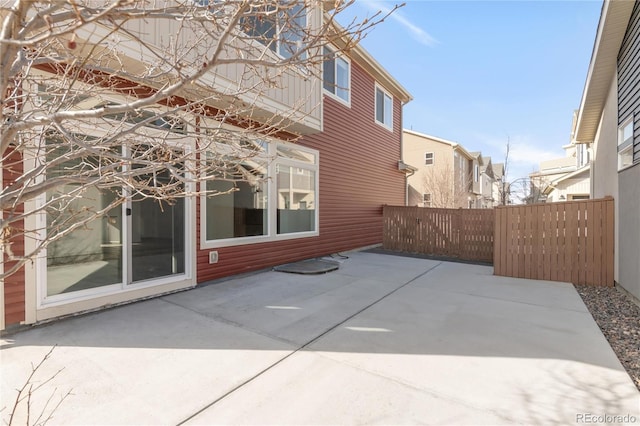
x=132, y=100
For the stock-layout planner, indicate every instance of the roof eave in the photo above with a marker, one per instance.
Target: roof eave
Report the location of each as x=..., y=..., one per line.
x=359, y=54
x=614, y=19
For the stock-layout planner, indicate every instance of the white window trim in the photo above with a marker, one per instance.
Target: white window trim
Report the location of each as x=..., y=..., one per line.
x=629, y=147
x=272, y=203
x=426, y=203
x=625, y=123
x=626, y=150
x=340, y=55
x=264, y=48
x=375, y=109
x=433, y=158
x=45, y=301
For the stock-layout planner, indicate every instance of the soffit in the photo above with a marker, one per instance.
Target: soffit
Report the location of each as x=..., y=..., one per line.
x=614, y=19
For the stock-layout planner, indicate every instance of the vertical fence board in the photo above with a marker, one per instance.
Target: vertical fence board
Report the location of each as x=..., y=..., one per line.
x=571, y=241
x=572, y=247
x=596, y=273
x=590, y=233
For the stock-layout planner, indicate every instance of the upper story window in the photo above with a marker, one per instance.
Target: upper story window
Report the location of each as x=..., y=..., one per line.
x=428, y=158
x=336, y=71
x=283, y=31
x=426, y=200
x=384, y=108
x=625, y=144
x=476, y=173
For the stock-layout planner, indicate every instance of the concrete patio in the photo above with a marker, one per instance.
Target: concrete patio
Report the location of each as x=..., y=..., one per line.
x=383, y=340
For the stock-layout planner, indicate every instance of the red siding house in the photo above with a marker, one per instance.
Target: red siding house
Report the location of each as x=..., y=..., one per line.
x=357, y=156
x=320, y=195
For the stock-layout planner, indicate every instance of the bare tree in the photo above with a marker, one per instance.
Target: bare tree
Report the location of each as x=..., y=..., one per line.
x=146, y=100
x=22, y=411
x=446, y=188
x=504, y=188
x=529, y=190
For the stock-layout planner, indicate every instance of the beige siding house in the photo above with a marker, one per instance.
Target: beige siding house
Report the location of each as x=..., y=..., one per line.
x=499, y=191
x=564, y=179
x=487, y=183
x=447, y=175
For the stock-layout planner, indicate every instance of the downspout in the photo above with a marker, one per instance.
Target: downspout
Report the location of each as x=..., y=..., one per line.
x=412, y=172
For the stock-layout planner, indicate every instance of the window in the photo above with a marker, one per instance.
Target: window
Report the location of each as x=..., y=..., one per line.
x=578, y=197
x=268, y=195
x=147, y=234
x=582, y=153
x=476, y=173
x=238, y=202
x=625, y=144
x=384, y=108
x=296, y=200
x=426, y=198
x=283, y=32
x=336, y=75
x=428, y=158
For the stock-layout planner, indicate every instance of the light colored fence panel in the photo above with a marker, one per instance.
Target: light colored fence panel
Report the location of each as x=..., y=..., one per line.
x=570, y=242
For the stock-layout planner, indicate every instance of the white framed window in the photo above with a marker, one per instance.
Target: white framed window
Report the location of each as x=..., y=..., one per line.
x=272, y=195
x=138, y=242
x=476, y=173
x=625, y=144
x=336, y=71
x=384, y=108
x=282, y=32
x=428, y=158
x=426, y=200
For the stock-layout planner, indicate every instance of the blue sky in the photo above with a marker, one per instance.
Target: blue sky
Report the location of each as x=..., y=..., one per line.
x=481, y=72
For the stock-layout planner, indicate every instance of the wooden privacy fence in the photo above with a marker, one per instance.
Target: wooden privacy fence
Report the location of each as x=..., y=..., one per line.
x=571, y=242
x=465, y=234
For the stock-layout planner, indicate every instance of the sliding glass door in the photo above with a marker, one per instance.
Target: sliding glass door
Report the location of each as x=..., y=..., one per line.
x=138, y=239
x=157, y=239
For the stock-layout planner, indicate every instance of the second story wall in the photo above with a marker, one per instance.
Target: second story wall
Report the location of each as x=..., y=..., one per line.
x=292, y=94
x=358, y=174
x=435, y=176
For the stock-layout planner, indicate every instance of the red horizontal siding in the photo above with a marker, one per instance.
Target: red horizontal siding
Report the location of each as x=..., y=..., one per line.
x=14, y=285
x=358, y=175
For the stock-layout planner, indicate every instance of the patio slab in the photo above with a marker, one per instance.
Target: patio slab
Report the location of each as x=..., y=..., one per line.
x=383, y=340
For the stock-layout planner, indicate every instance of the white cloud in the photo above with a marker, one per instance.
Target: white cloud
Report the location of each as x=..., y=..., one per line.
x=416, y=32
x=525, y=153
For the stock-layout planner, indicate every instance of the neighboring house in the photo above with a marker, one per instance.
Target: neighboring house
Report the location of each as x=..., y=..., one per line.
x=475, y=197
x=563, y=179
x=569, y=187
x=447, y=176
x=487, y=183
x=319, y=196
x=500, y=189
x=609, y=119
